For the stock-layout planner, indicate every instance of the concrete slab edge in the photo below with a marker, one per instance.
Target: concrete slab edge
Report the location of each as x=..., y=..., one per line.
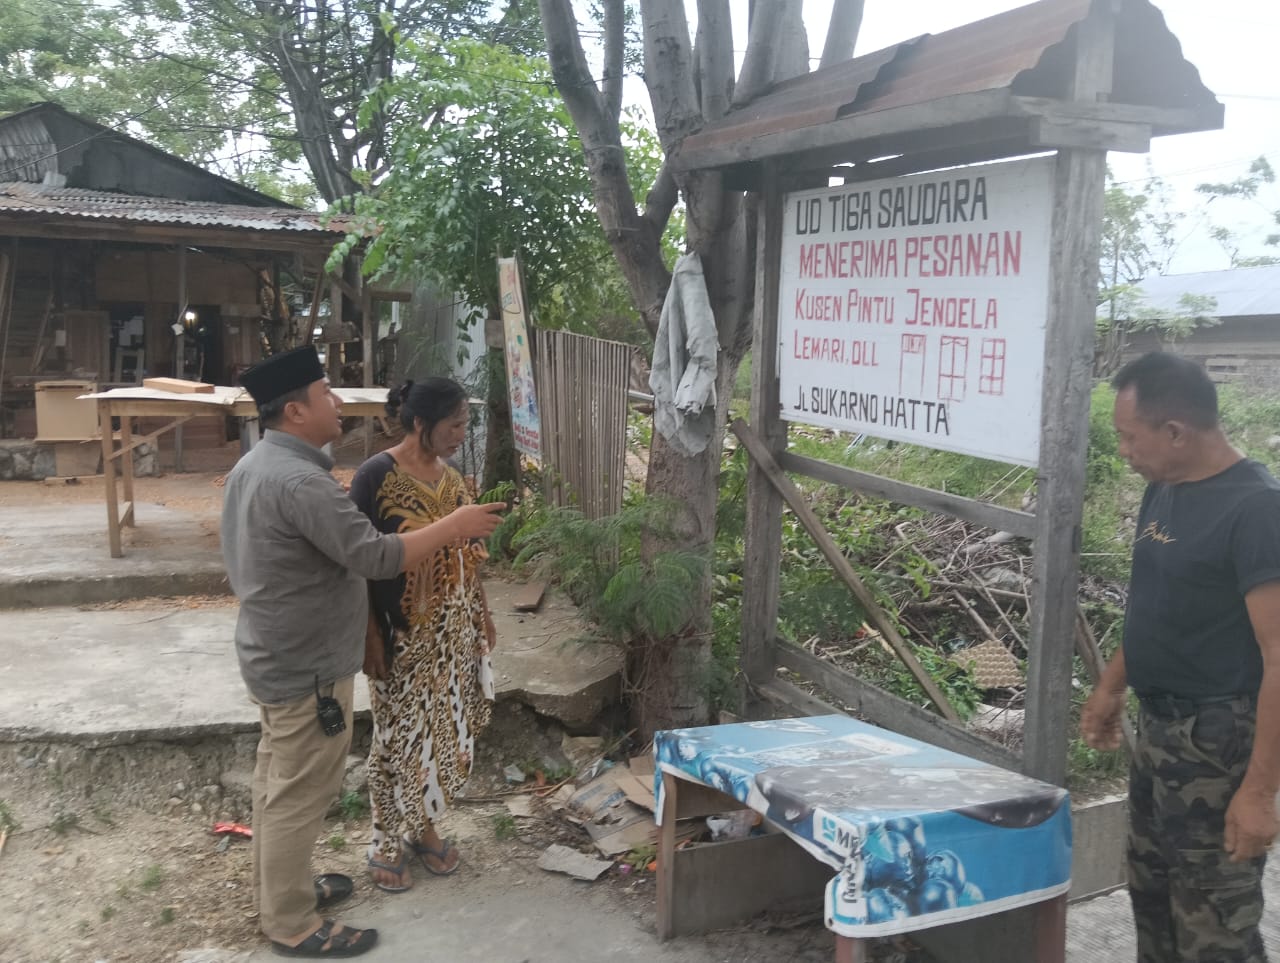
x=48, y=593
x=1099, y=831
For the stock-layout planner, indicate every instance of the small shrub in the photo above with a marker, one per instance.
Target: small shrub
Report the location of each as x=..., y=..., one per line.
x=152, y=877
x=337, y=840
x=353, y=805
x=8, y=824
x=107, y=912
x=504, y=826
x=63, y=822
x=166, y=915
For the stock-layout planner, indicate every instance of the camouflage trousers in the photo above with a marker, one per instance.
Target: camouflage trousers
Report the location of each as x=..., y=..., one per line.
x=1190, y=903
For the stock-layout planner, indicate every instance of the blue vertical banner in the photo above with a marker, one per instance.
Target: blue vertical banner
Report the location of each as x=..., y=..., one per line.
x=525, y=423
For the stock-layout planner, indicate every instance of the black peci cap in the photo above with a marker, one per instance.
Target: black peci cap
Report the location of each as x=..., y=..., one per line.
x=281, y=373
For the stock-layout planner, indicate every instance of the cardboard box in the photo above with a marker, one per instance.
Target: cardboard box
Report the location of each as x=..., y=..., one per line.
x=74, y=459
x=61, y=416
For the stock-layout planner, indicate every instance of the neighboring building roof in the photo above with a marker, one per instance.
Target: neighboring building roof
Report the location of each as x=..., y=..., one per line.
x=45, y=143
x=20, y=200
x=1240, y=293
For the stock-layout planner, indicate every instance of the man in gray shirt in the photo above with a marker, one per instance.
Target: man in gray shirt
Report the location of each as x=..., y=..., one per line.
x=298, y=552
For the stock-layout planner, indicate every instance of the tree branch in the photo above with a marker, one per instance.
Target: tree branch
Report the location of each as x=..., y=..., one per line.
x=842, y=31
x=635, y=240
x=668, y=71
x=661, y=199
x=757, y=65
x=615, y=49
x=715, y=57
x=569, y=64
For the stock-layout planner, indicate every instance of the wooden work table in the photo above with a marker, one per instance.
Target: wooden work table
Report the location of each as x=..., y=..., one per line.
x=126, y=404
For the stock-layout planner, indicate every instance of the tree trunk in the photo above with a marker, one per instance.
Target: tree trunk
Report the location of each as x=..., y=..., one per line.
x=670, y=676
x=501, y=461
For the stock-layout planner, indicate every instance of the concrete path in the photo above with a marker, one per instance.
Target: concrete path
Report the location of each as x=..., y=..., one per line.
x=163, y=669
x=53, y=554
x=94, y=671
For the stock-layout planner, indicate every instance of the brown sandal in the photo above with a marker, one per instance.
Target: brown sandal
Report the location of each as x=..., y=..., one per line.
x=324, y=943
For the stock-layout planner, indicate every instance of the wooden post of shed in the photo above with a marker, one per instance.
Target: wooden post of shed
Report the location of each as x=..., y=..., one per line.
x=180, y=347
x=366, y=364
x=764, y=502
x=1064, y=435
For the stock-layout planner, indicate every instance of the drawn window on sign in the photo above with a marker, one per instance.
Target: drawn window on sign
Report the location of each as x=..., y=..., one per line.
x=911, y=361
x=953, y=366
x=991, y=367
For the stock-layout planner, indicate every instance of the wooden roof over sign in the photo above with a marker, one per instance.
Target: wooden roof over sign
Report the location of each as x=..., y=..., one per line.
x=992, y=88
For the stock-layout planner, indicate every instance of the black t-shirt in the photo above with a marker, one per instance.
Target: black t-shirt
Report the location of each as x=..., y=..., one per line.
x=1199, y=548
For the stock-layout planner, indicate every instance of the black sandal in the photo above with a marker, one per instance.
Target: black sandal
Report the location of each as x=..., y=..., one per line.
x=349, y=942
x=332, y=888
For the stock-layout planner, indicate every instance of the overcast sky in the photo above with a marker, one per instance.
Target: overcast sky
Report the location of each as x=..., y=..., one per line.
x=1235, y=44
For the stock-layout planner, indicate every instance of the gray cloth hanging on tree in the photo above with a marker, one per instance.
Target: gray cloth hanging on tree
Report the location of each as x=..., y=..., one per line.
x=683, y=376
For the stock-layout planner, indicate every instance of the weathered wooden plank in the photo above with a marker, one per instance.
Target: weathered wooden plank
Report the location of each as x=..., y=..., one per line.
x=1203, y=117
x=875, y=614
x=1064, y=434
x=666, y=897
x=763, y=542
x=944, y=112
x=696, y=800
x=969, y=509
x=789, y=697
x=721, y=884
x=109, y=479
x=178, y=386
x=1057, y=131
x=368, y=326
x=891, y=712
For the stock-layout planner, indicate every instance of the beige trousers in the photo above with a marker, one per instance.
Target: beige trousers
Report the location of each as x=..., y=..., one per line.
x=298, y=773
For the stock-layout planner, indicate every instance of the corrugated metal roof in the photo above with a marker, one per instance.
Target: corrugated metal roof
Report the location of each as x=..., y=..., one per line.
x=1240, y=293
x=39, y=200
x=1025, y=52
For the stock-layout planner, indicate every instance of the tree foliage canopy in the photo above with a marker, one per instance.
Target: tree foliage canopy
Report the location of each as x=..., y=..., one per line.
x=483, y=159
x=1247, y=188
x=251, y=88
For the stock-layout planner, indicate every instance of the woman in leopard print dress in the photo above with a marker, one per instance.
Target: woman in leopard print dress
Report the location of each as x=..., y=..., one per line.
x=427, y=650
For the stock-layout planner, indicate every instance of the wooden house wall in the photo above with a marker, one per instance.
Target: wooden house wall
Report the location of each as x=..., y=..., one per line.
x=141, y=274
x=1239, y=350
x=64, y=297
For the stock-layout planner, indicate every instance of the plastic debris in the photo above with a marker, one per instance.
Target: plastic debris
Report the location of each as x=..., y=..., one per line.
x=232, y=829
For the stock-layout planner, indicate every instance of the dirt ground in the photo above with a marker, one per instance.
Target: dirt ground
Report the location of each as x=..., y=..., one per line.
x=115, y=859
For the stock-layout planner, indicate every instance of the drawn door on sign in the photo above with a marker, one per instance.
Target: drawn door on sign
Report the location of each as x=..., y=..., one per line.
x=911, y=362
x=991, y=367
x=953, y=368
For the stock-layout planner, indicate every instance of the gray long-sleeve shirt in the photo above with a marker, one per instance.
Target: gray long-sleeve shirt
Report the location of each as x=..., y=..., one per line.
x=298, y=552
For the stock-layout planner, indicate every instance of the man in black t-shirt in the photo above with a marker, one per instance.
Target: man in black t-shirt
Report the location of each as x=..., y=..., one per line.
x=1202, y=652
